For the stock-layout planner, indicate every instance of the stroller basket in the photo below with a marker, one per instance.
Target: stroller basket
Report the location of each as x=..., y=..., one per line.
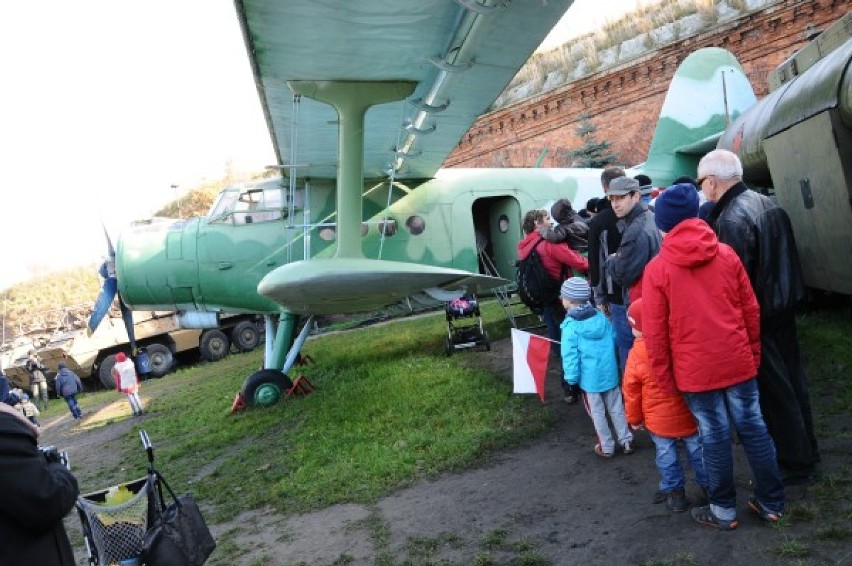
x=116, y=532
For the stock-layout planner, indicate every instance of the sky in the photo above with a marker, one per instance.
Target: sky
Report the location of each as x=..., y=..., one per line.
x=107, y=105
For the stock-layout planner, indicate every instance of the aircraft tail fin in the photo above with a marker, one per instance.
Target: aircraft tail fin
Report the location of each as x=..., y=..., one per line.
x=708, y=92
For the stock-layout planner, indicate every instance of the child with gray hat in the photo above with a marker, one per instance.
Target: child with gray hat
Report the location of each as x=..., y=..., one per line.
x=588, y=359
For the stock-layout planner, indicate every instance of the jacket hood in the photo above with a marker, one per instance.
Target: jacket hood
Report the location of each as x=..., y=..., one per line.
x=594, y=323
x=562, y=212
x=690, y=244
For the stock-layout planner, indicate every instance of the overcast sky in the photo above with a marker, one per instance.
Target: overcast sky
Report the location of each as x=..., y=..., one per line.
x=108, y=104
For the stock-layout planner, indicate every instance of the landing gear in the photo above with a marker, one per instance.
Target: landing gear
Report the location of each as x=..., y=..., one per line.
x=265, y=387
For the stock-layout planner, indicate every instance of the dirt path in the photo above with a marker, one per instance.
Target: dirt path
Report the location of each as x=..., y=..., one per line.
x=551, y=501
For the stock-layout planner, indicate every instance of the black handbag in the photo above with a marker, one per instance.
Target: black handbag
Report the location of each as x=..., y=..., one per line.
x=179, y=536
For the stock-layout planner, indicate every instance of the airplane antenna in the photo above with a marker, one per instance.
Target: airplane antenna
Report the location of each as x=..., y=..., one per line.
x=725, y=98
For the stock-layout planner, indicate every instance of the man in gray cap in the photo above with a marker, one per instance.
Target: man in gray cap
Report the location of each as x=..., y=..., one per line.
x=640, y=239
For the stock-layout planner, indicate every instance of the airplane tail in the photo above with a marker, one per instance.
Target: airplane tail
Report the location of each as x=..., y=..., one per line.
x=707, y=93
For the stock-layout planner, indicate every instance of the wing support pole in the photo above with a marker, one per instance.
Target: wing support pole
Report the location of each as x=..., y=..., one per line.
x=351, y=99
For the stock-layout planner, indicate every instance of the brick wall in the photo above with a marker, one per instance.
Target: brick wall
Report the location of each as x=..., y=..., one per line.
x=624, y=102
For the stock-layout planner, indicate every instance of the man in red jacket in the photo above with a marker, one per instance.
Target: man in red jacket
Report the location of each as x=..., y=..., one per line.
x=702, y=330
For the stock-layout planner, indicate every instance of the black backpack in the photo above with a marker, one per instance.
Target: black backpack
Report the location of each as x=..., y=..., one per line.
x=536, y=287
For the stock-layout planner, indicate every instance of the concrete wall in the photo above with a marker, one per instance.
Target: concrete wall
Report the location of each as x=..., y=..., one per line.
x=624, y=101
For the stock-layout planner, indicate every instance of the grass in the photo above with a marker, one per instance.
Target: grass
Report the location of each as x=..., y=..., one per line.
x=390, y=408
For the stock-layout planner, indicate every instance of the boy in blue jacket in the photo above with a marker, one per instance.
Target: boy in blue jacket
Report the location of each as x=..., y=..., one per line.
x=588, y=358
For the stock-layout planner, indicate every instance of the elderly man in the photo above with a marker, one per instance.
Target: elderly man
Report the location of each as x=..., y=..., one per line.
x=762, y=236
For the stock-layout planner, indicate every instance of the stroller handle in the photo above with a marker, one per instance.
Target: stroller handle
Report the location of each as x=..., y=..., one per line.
x=146, y=443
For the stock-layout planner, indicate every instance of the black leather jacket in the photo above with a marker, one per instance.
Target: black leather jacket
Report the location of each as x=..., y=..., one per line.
x=760, y=232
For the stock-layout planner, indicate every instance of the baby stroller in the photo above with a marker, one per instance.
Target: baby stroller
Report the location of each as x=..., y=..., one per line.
x=466, y=335
x=116, y=520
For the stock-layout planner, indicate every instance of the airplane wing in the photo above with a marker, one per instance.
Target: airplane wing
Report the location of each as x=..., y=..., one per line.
x=333, y=286
x=461, y=54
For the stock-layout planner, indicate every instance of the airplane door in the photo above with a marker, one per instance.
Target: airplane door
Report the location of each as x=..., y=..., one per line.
x=504, y=224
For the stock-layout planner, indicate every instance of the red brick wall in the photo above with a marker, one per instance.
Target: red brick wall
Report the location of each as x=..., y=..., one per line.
x=624, y=102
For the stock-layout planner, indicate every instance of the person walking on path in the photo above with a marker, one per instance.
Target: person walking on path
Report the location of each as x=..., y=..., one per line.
x=127, y=381
x=701, y=323
x=760, y=233
x=38, y=382
x=67, y=386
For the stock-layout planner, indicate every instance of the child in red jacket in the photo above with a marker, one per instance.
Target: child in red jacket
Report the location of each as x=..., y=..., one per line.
x=666, y=418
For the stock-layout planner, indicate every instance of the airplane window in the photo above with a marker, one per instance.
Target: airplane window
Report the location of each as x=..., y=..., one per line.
x=328, y=233
x=415, y=224
x=503, y=223
x=388, y=226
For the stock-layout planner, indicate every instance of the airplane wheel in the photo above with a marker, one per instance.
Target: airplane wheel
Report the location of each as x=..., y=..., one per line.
x=214, y=345
x=161, y=359
x=105, y=371
x=448, y=347
x=265, y=387
x=245, y=336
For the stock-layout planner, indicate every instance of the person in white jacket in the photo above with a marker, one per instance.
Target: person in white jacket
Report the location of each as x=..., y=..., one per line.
x=127, y=381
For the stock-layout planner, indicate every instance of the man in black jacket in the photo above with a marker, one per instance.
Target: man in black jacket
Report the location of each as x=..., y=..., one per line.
x=604, y=239
x=37, y=494
x=761, y=234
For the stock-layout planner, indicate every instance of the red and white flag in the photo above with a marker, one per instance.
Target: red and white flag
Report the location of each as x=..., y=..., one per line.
x=529, y=360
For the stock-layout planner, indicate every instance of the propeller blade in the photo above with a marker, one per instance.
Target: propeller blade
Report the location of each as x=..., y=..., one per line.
x=110, y=248
x=103, y=303
x=127, y=317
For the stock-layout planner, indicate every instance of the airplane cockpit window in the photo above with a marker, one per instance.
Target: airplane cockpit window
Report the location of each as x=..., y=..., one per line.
x=387, y=227
x=415, y=224
x=248, y=206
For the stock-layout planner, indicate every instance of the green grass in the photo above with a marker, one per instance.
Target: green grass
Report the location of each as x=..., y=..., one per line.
x=389, y=408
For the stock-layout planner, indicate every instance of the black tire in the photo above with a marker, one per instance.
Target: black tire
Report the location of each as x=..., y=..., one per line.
x=245, y=336
x=105, y=372
x=162, y=359
x=214, y=345
x=266, y=387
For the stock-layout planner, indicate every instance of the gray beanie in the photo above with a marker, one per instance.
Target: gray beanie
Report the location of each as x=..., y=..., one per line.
x=576, y=290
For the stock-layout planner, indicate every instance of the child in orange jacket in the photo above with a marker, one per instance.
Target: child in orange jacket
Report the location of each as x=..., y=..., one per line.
x=666, y=417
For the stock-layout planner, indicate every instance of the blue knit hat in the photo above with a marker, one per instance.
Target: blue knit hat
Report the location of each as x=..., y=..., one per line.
x=675, y=204
x=576, y=290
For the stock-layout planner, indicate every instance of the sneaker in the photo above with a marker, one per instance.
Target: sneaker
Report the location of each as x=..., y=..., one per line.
x=676, y=501
x=627, y=447
x=599, y=451
x=706, y=517
x=763, y=512
x=659, y=497
x=571, y=399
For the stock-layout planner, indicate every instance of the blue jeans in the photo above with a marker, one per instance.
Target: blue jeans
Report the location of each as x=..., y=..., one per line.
x=668, y=463
x=623, y=333
x=72, y=406
x=716, y=411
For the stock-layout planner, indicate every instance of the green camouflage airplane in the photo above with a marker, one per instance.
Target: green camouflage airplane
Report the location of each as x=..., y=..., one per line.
x=797, y=144
x=364, y=101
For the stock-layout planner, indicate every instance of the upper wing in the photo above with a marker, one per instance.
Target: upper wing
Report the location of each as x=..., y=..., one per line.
x=461, y=54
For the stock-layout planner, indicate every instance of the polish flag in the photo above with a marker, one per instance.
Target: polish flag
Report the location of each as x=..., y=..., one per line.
x=529, y=360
